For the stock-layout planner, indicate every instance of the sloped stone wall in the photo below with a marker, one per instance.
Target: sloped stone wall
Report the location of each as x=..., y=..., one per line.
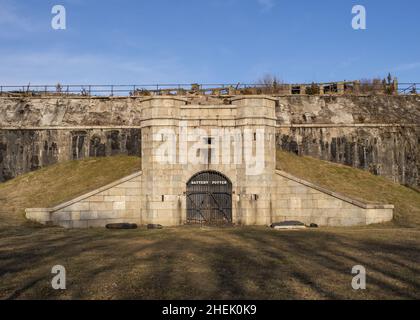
x=299, y=200
x=118, y=202
x=290, y=198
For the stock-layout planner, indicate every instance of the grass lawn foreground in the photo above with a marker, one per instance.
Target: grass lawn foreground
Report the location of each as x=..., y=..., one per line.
x=202, y=262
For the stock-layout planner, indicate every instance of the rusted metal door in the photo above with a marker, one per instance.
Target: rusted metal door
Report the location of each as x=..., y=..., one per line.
x=209, y=199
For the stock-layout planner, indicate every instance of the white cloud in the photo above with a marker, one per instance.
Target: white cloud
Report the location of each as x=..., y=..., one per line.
x=56, y=66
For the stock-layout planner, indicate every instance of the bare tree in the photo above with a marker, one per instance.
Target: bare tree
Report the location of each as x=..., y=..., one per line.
x=270, y=80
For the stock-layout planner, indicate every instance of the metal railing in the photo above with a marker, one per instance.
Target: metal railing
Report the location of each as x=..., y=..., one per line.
x=409, y=88
x=112, y=90
x=354, y=87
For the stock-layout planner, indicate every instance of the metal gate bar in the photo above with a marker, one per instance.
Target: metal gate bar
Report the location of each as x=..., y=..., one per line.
x=209, y=199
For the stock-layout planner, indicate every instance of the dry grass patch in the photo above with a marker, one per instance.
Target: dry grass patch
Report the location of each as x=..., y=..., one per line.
x=355, y=183
x=205, y=263
x=60, y=182
x=194, y=263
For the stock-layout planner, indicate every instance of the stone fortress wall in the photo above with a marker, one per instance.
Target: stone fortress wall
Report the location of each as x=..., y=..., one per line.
x=158, y=193
x=375, y=133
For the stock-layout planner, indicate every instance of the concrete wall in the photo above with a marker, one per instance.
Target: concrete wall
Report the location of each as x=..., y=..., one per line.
x=290, y=198
x=117, y=202
x=297, y=199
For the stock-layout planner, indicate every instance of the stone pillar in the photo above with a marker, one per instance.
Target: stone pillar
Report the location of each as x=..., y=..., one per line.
x=256, y=117
x=162, y=187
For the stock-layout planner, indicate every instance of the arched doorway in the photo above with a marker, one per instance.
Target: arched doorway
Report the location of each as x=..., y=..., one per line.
x=209, y=199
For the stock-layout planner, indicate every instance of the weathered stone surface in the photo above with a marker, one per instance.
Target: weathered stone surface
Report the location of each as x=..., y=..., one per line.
x=393, y=152
x=26, y=150
x=76, y=112
x=70, y=112
x=348, y=110
x=376, y=133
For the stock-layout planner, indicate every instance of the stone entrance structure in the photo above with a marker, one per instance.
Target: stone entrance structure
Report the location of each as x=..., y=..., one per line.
x=233, y=180
x=209, y=199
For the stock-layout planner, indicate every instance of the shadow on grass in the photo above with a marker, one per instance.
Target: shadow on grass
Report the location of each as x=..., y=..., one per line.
x=194, y=263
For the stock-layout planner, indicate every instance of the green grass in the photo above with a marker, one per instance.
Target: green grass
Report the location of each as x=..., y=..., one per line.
x=355, y=183
x=60, y=182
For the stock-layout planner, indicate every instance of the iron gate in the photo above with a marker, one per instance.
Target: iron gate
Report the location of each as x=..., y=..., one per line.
x=209, y=199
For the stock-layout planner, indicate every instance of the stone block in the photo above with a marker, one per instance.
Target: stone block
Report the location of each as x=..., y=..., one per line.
x=119, y=205
x=79, y=206
x=75, y=215
x=97, y=198
x=88, y=215
x=132, y=192
x=114, y=198
x=61, y=216
x=107, y=215
x=133, y=205
x=101, y=206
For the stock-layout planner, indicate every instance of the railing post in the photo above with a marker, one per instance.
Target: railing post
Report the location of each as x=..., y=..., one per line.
x=90, y=90
x=340, y=87
x=112, y=90
x=356, y=87
x=395, y=86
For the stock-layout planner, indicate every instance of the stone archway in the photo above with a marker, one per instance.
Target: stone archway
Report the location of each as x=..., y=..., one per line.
x=209, y=199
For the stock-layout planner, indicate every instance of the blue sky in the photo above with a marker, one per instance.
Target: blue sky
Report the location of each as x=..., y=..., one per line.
x=212, y=41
